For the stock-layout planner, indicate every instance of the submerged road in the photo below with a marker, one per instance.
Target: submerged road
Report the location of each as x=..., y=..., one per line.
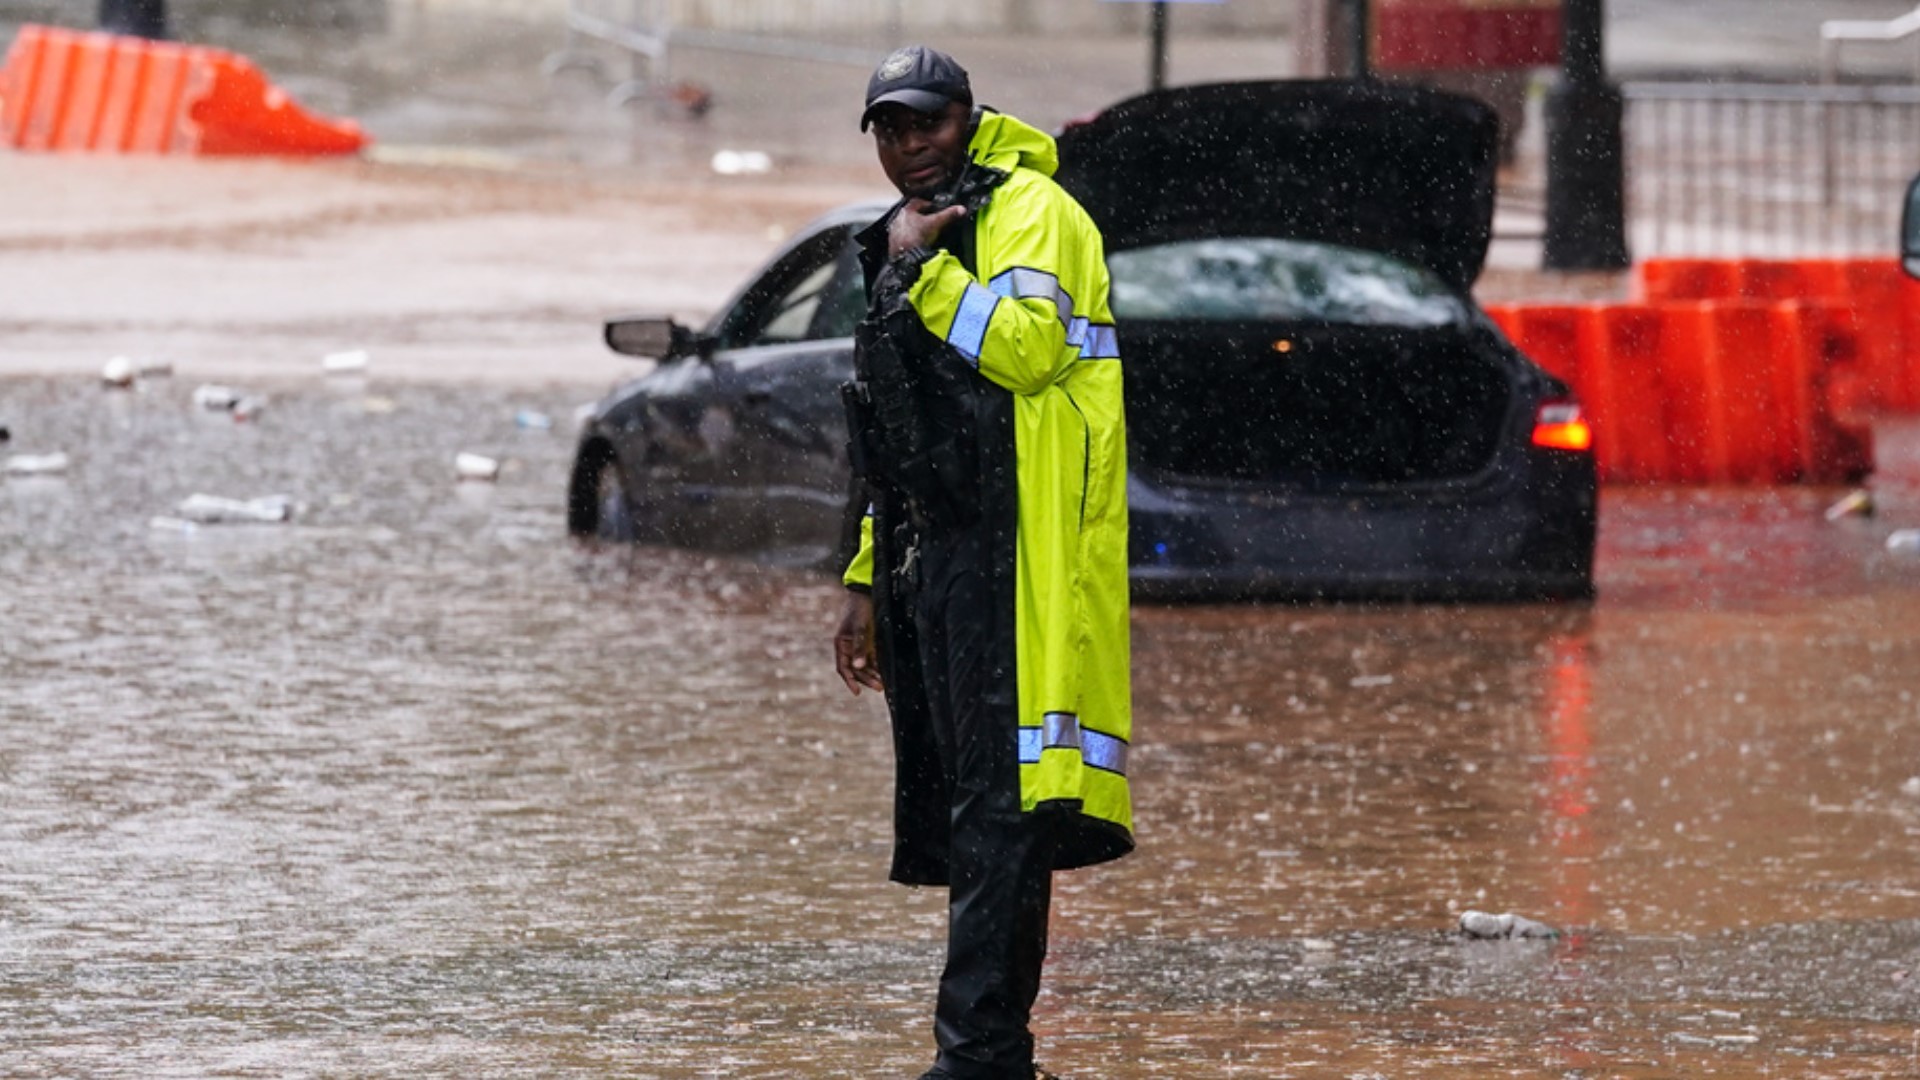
x=412, y=785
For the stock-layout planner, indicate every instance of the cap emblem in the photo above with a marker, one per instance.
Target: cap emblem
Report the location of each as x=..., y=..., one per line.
x=896, y=66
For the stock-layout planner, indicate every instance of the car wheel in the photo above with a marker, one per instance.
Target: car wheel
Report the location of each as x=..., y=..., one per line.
x=613, y=512
x=597, y=505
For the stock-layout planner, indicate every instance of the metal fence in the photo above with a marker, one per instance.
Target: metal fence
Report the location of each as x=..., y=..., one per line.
x=1765, y=170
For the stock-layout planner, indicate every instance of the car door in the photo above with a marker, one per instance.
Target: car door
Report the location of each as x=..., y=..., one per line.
x=774, y=422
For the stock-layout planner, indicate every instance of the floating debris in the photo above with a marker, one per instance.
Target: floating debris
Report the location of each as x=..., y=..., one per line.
x=532, y=421
x=35, y=464
x=1854, y=504
x=343, y=363
x=741, y=162
x=475, y=467
x=216, y=510
x=215, y=398
x=119, y=372
x=248, y=408
x=1361, y=682
x=1904, y=542
x=1482, y=926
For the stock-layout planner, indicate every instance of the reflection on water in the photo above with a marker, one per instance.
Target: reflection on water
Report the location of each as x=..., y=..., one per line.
x=413, y=786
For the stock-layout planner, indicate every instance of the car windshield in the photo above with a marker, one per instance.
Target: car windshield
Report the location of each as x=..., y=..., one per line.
x=1223, y=280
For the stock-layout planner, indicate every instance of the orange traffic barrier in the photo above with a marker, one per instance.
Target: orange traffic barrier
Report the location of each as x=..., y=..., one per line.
x=1665, y=280
x=1623, y=393
x=1885, y=302
x=1823, y=384
x=1709, y=392
x=1725, y=416
x=66, y=91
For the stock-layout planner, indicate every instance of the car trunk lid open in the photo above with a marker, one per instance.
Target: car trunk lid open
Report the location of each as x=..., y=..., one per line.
x=1402, y=170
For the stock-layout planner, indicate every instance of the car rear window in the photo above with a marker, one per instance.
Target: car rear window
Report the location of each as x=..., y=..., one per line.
x=1242, y=278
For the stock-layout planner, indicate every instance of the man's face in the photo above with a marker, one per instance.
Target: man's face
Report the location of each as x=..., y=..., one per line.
x=921, y=153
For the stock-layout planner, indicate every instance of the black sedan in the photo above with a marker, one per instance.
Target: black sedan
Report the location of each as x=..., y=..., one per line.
x=1316, y=406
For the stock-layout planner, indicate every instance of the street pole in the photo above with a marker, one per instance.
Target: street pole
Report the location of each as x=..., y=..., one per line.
x=1157, y=62
x=140, y=18
x=1586, y=154
x=1360, y=37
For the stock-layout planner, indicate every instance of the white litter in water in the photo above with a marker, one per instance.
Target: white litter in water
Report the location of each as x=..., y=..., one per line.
x=163, y=523
x=341, y=362
x=1490, y=927
x=36, y=464
x=248, y=407
x=1904, y=541
x=214, y=397
x=1854, y=504
x=119, y=371
x=1362, y=681
x=739, y=162
x=475, y=467
x=216, y=510
x=154, y=368
x=1911, y=789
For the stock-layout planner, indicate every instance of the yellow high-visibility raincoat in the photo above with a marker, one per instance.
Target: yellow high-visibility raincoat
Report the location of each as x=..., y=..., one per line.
x=1035, y=324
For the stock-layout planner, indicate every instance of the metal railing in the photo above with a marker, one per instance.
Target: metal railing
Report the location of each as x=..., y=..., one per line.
x=646, y=31
x=1835, y=33
x=1757, y=170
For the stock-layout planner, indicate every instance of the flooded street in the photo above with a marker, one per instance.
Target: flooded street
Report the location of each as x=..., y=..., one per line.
x=413, y=786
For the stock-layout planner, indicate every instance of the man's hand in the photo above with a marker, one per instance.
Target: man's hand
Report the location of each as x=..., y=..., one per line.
x=853, y=655
x=913, y=227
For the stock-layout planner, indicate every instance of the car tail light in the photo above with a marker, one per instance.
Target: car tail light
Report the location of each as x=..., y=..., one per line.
x=1559, y=426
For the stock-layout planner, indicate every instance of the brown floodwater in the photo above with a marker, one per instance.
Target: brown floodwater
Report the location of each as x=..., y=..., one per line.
x=414, y=786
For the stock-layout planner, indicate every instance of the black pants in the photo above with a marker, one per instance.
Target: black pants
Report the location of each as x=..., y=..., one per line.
x=1001, y=861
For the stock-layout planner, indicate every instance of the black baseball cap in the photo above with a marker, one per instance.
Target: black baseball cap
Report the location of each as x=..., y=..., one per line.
x=925, y=80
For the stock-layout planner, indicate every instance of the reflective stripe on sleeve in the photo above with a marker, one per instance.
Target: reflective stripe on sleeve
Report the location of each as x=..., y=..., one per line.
x=1022, y=283
x=969, y=328
x=1101, y=343
x=1062, y=731
x=1096, y=341
x=1104, y=752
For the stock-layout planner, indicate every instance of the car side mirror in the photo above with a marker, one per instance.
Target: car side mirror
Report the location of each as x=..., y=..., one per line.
x=654, y=337
x=1910, y=231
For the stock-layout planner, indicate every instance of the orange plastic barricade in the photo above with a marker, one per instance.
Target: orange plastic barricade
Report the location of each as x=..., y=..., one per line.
x=245, y=114
x=1727, y=422
x=67, y=91
x=1668, y=280
x=1771, y=279
x=1882, y=296
x=1550, y=335
x=1724, y=391
x=1840, y=440
x=1624, y=393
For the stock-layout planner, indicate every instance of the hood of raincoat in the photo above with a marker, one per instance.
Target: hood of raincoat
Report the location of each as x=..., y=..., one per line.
x=1004, y=142
x=1402, y=170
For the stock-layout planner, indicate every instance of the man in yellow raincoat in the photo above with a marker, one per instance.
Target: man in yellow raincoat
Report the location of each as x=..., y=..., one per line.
x=988, y=599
